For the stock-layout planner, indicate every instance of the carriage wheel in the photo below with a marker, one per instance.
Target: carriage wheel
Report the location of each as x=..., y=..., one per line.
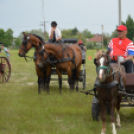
x=96, y=109
x=5, y=70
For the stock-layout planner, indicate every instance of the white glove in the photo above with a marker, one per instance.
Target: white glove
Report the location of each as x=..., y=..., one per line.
x=121, y=59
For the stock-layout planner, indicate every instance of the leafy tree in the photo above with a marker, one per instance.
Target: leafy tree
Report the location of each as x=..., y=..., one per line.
x=6, y=37
x=18, y=42
x=38, y=32
x=114, y=34
x=2, y=34
x=106, y=39
x=74, y=31
x=67, y=33
x=87, y=33
x=130, y=27
x=90, y=45
x=80, y=36
x=9, y=37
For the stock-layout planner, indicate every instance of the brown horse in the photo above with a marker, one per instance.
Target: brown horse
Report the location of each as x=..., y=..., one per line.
x=29, y=41
x=69, y=59
x=108, y=81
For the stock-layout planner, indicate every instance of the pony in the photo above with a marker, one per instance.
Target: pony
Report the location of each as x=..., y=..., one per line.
x=109, y=79
x=29, y=41
x=68, y=59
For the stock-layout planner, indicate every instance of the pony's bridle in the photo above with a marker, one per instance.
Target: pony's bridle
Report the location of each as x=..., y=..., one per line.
x=105, y=67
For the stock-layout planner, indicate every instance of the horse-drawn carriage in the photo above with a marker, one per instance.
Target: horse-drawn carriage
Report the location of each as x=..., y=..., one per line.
x=68, y=61
x=112, y=88
x=127, y=99
x=82, y=75
x=5, y=69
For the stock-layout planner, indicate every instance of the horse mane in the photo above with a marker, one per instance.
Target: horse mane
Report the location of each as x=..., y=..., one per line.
x=99, y=54
x=41, y=39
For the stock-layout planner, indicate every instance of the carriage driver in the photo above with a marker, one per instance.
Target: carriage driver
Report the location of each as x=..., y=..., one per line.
x=123, y=47
x=54, y=33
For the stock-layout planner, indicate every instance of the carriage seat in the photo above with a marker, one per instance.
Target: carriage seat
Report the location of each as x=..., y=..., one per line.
x=69, y=40
x=130, y=78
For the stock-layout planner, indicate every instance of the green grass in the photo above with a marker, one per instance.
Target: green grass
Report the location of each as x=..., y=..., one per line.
x=23, y=111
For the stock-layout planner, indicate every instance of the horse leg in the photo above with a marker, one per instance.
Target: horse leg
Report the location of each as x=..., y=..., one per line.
x=112, y=106
x=118, y=109
x=40, y=84
x=73, y=78
x=48, y=75
x=40, y=74
x=103, y=116
x=69, y=72
x=77, y=86
x=60, y=79
x=44, y=79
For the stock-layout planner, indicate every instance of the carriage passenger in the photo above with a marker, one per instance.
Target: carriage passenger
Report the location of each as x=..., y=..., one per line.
x=124, y=47
x=81, y=45
x=54, y=33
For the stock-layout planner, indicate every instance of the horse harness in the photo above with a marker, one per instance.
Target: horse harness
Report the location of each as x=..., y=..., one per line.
x=50, y=58
x=111, y=84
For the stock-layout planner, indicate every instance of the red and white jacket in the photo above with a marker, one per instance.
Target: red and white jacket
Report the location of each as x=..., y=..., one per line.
x=120, y=47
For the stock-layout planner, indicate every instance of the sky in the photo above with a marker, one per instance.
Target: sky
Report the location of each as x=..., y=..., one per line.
x=25, y=15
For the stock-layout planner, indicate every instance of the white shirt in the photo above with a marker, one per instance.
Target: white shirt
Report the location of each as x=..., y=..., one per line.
x=57, y=33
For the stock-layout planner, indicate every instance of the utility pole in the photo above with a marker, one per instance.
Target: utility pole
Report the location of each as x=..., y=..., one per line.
x=102, y=36
x=119, y=12
x=43, y=18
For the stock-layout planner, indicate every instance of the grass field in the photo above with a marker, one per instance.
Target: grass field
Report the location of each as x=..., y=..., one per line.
x=23, y=111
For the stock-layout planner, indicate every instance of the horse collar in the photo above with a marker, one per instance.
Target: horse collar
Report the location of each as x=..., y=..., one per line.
x=109, y=85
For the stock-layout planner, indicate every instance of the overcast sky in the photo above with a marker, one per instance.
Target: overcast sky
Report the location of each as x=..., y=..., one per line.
x=22, y=15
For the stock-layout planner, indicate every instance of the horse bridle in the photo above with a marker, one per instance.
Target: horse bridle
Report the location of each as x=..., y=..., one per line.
x=105, y=67
x=108, y=68
x=25, y=43
x=24, y=49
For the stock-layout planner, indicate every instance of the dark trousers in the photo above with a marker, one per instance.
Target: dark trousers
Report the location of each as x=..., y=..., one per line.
x=128, y=65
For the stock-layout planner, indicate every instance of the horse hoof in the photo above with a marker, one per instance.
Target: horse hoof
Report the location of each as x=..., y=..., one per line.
x=118, y=127
x=39, y=92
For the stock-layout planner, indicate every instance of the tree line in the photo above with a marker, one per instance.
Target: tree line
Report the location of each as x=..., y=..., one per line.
x=7, y=36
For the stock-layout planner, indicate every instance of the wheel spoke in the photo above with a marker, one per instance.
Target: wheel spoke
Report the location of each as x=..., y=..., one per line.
x=6, y=74
x=5, y=70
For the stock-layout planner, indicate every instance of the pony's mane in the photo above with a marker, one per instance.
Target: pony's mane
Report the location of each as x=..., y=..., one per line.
x=99, y=54
x=41, y=39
